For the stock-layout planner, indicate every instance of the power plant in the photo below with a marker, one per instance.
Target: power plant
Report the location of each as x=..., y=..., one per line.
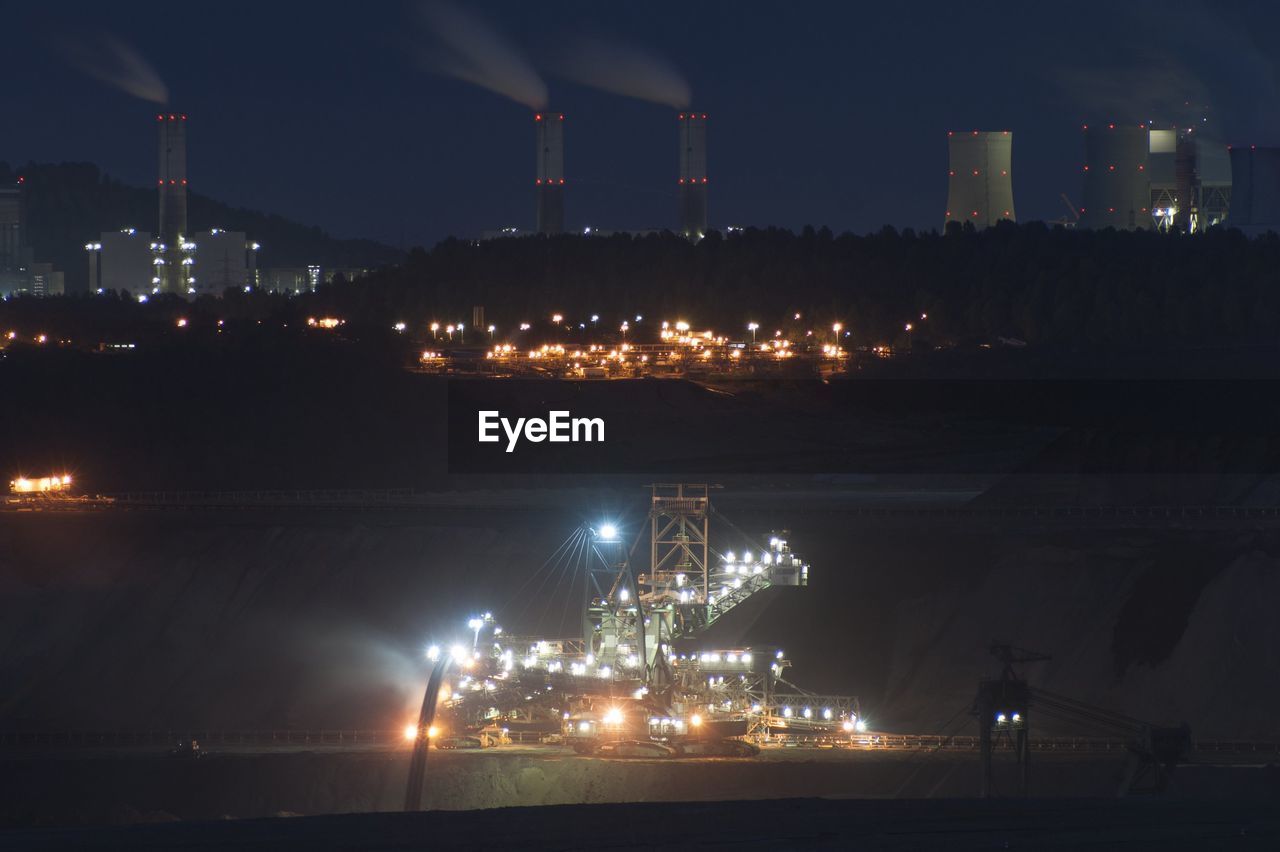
x=549, y=183
x=980, y=177
x=1190, y=180
x=1136, y=177
x=1255, y=189
x=693, y=174
x=127, y=261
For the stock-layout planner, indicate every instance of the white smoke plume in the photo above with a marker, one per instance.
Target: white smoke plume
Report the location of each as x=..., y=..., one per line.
x=626, y=70
x=1202, y=62
x=111, y=61
x=469, y=49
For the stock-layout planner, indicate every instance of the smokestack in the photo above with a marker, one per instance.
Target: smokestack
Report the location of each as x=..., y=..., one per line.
x=693, y=174
x=173, y=199
x=980, y=181
x=550, y=178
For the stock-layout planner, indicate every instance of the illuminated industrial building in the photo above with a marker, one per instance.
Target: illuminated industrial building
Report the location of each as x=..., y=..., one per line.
x=305, y=279
x=693, y=174
x=1190, y=180
x=1117, y=184
x=44, y=280
x=549, y=181
x=14, y=255
x=1255, y=189
x=221, y=259
x=980, y=177
x=123, y=261
x=20, y=273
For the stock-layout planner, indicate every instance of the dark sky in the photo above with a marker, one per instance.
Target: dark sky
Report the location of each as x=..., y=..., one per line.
x=823, y=113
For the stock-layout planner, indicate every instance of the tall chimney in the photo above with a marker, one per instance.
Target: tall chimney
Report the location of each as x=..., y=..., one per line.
x=173, y=199
x=550, y=175
x=693, y=174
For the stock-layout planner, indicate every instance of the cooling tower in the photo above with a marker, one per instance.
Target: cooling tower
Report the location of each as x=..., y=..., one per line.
x=1117, y=185
x=693, y=174
x=1255, y=189
x=549, y=183
x=173, y=199
x=980, y=179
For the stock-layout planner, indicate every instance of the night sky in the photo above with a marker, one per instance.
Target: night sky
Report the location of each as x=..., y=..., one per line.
x=828, y=114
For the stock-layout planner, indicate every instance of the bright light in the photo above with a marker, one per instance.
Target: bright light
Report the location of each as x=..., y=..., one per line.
x=433, y=653
x=623, y=594
x=459, y=654
x=399, y=327
x=410, y=732
x=182, y=322
x=613, y=716
x=557, y=318
x=847, y=726
x=608, y=532
x=837, y=328
x=752, y=326
x=695, y=720
x=476, y=623
x=861, y=726
x=432, y=732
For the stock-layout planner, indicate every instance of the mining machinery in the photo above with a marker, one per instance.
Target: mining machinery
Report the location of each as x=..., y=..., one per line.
x=1005, y=706
x=643, y=667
